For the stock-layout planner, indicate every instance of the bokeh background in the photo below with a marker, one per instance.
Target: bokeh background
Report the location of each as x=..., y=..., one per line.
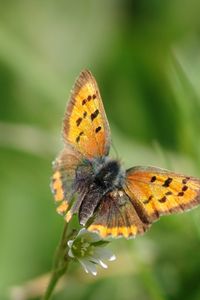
x=145, y=56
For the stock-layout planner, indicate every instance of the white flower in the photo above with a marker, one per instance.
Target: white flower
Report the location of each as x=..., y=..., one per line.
x=89, y=250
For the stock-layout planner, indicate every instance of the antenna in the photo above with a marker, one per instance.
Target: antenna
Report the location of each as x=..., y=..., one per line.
x=115, y=150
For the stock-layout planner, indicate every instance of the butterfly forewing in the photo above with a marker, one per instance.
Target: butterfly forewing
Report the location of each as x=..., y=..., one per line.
x=86, y=134
x=159, y=192
x=85, y=123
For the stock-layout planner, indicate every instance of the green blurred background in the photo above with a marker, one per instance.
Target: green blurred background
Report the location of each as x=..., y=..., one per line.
x=145, y=57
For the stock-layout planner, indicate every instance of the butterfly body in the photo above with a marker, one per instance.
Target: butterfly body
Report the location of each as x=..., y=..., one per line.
x=107, y=199
x=94, y=178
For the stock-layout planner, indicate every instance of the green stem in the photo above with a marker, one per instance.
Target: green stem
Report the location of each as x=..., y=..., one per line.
x=60, y=264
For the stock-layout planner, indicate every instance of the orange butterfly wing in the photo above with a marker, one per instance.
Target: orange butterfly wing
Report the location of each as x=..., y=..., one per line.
x=116, y=216
x=156, y=192
x=64, y=168
x=147, y=194
x=86, y=134
x=85, y=124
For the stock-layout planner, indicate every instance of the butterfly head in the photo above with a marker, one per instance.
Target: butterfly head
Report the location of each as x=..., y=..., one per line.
x=108, y=174
x=102, y=173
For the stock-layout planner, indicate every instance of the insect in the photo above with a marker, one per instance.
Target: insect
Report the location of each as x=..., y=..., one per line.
x=108, y=199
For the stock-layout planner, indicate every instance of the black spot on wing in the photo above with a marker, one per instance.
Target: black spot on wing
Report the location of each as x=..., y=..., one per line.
x=185, y=180
x=78, y=139
x=163, y=199
x=84, y=101
x=180, y=194
x=167, y=182
x=94, y=114
x=89, y=98
x=78, y=121
x=153, y=178
x=98, y=129
x=169, y=193
x=184, y=188
x=79, y=136
x=148, y=200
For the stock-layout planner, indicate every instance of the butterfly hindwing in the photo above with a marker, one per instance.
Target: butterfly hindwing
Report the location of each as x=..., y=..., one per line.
x=158, y=192
x=116, y=216
x=85, y=123
x=62, y=181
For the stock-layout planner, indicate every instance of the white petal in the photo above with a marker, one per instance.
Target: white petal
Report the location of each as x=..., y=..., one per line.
x=90, y=237
x=88, y=266
x=103, y=253
x=70, y=253
x=82, y=231
x=97, y=261
x=103, y=264
x=83, y=265
x=69, y=243
x=94, y=273
x=113, y=257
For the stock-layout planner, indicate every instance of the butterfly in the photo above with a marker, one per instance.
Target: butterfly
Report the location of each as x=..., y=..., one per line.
x=109, y=200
